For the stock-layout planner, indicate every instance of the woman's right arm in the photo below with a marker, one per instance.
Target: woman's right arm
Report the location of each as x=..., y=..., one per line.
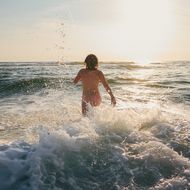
x=78, y=77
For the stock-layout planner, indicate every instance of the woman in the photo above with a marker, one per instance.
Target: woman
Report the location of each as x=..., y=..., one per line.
x=91, y=77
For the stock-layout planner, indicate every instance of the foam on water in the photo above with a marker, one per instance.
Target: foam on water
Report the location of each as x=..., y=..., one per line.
x=109, y=149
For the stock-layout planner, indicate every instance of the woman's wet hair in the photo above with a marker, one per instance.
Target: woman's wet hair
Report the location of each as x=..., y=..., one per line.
x=91, y=62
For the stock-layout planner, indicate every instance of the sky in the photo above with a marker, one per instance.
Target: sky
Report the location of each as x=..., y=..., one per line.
x=114, y=30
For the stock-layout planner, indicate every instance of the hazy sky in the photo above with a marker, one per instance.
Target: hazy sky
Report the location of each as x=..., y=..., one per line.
x=115, y=30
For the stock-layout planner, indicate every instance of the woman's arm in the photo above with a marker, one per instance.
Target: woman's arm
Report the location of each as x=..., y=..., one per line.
x=78, y=77
x=106, y=86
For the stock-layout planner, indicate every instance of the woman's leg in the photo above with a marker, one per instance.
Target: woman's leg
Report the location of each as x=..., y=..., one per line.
x=84, y=108
x=93, y=100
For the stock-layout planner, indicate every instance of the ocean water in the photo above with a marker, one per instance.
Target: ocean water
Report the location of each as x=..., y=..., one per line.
x=141, y=144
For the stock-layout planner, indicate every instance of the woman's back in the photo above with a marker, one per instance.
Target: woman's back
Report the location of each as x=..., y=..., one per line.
x=90, y=80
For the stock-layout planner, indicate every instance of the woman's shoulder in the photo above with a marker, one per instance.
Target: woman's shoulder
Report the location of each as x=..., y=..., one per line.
x=82, y=70
x=99, y=72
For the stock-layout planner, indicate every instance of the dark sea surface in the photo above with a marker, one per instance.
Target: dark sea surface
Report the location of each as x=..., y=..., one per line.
x=141, y=144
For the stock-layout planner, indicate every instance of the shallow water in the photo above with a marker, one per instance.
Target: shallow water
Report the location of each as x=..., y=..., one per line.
x=142, y=143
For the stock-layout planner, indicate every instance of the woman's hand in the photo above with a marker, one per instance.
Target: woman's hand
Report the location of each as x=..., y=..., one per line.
x=113, y=100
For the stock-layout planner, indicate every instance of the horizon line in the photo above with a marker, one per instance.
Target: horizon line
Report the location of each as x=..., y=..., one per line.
x=78, y=61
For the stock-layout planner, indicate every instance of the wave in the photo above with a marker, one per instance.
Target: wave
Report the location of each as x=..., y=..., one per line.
x=158, y=85
x=126, y=80
x=29, y=86
x=120, y=151
x=26, y=64
x=133, y=66
x=9, y=87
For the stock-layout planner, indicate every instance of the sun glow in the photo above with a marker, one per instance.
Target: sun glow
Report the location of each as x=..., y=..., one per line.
x=147, y=28
x=142, y=31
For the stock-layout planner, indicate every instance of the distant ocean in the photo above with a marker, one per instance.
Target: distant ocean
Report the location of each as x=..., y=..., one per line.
x=141, y=144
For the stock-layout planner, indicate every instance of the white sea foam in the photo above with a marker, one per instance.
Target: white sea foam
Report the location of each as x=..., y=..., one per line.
x=133, y=139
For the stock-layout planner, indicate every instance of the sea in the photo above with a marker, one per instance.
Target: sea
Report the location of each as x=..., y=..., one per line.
x=143, y=143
